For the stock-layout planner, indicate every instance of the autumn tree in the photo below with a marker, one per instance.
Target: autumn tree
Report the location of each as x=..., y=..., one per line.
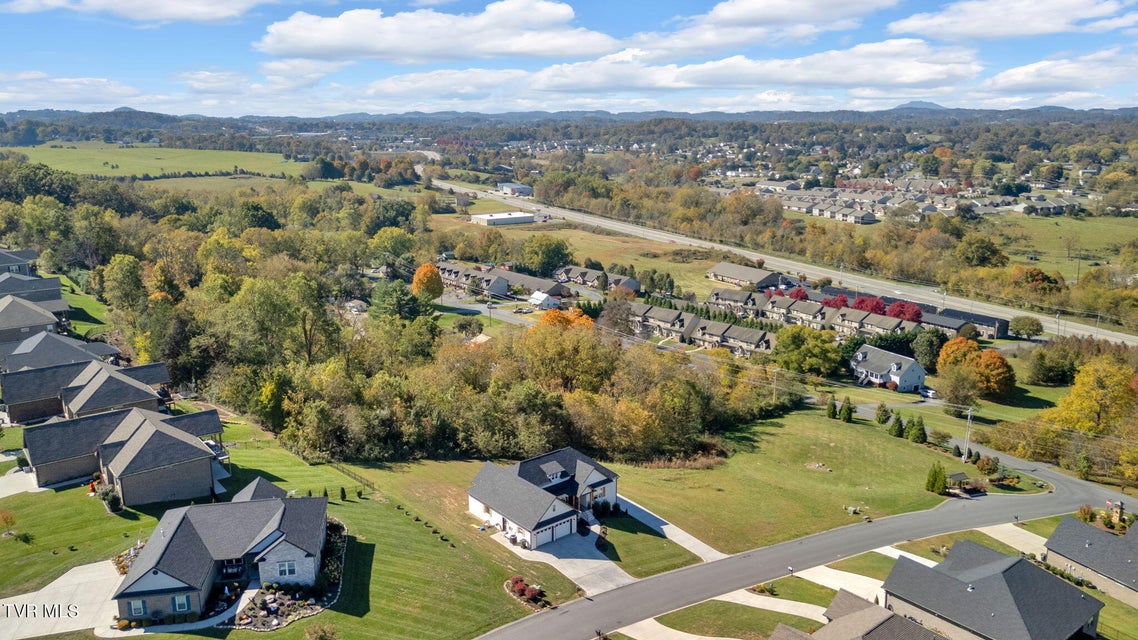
x=123, y=287
x=978, y=250
x=7, y=520
x=995, y=376
x=959, y=387
x=798, y=293
x=1100, y=397
x=542, y=254
x=869, y=304
x=427, y=284
x=958, y=351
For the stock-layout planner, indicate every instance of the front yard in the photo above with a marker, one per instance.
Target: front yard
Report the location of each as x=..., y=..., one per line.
x=758, y=496
x=729, y=620
x=640, y=550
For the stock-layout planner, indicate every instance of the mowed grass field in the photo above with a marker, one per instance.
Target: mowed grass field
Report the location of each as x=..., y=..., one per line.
x=402, y=580
x=1095, y=239
x=768, y=491
x=607, y=249
x=97, y=158
x=871, y=564
x=720, y=619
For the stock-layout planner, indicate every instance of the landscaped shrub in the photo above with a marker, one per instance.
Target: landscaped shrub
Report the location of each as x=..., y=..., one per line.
x=343, y=495
x=1086, y=513
x=122, y=624
x=532, y=592
x=514, y=580
x=520, y=588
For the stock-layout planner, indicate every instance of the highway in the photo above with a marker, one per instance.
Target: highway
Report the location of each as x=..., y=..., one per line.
x=913, y=293
x=648, y=598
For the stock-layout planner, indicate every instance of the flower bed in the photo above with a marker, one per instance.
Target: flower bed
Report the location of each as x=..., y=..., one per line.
x=277, y=605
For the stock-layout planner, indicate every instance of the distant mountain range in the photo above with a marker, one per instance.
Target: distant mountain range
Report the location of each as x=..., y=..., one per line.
x=127, y=118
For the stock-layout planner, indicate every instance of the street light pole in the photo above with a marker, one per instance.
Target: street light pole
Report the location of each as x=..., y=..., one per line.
x=967, y=437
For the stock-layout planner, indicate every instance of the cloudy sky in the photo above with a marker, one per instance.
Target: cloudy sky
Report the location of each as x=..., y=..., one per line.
x=323, y=57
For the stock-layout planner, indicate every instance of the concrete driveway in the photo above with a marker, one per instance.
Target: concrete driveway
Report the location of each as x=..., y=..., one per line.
x=577, y=558
x=16, y=481
x=79, y=599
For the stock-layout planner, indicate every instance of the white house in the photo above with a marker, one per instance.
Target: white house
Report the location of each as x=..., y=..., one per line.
x=539, y=500
x=543, y=301
x=878, y=366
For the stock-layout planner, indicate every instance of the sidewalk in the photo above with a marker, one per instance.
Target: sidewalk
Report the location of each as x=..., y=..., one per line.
x=651, y=630
x=672, y=532
x=861, y=586
x=793, y=607
x=894, y=552
x=1016, y=537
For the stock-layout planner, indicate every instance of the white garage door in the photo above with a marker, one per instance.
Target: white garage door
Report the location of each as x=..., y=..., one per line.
x=562, y=529
x=543, y=536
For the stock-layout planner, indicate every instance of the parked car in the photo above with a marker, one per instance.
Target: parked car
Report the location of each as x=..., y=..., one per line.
x=927, y=392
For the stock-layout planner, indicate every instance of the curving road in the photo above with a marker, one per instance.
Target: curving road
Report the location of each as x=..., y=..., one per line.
x=654, y=596
x=915, y=293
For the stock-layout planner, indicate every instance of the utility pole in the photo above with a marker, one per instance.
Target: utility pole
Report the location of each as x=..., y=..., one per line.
x=967, y=437
x=1058, y=329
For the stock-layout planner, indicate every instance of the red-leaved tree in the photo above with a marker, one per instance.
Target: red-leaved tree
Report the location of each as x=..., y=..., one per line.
x=799, y=294
x=870, y=304
x=837, y=302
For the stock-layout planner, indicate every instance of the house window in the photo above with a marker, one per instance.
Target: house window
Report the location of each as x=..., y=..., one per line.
x=180, y=603
x=137, y=608
x=286, y=568
x=14, y=268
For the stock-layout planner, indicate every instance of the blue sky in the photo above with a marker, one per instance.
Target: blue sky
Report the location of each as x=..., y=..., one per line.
x=323, y=57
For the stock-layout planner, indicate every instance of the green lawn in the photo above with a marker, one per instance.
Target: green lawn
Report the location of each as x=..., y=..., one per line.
x=7, y=466
x=870, y=564
x=640, y=550
x=11, y=438
x=929, y=548
x=491, y=325
x=1095, y=238
x=1118, y=620
x=1043, y=527
x=96, y=158
x=755, y=498
x=88, y=316
x=729, y=620
x=802, y=590
x=59, y=521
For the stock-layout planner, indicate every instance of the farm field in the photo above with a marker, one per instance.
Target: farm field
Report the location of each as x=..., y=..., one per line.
x=1092, y=239
x=752, y=499
x=96, y=158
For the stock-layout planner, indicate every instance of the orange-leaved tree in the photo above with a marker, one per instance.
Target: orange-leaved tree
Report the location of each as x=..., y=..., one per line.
x=427, y=283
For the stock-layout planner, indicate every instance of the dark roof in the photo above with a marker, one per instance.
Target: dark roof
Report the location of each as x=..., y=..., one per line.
x=36, y=384
x=993, y=595
x=503, y=491
x=741, y=273
x=577, y=464
x=8, y=258
x=188, y=540
x=101, y=386
x=1098, y=550
x=17, y=283
x=783, y=632
x=151, y=445
x=938, y=320
x=737, y=296
x=64, y=439
x=974, y=318
x=259, y=489
x=854, y=618
x=17, y=313
x=845, y=603
x=149, y=374
x=55, y=441
x=46, y=349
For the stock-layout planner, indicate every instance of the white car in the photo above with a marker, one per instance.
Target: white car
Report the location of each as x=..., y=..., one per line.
x=927, y=392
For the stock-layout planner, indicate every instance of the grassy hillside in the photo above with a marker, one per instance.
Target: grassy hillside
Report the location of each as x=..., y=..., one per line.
x=96, y=158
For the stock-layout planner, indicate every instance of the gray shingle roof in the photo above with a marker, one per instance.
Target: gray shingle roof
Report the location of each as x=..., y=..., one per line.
x=573, y=461
x=36, y=384
x=100, y=386
x=1115, y=557
x=741, y=273
x=845, y=603
x=154, y=445
x=152, y=374
x=259, y=489
x=46, y=349
x=8, y=258
x=55, y=441
x=783, y=632
x=503, y=491
x=17, y=313
x=993, y=595
x=854, y=618
x=879, y=360
x=189, y=540
x=733, y=296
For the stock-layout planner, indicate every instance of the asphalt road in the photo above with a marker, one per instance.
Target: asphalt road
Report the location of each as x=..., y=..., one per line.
x=578, y=620
x=914, y=293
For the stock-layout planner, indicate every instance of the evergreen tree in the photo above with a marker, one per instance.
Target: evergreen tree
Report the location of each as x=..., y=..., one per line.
x=975, y=457
x=915, y=431
x=956, y=452
x=883, y=414
x=847, y=411
x=831, y=408
x=936, y=481
x=897, y=427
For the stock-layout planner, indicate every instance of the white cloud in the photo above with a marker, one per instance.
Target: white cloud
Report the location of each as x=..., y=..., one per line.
x=1095, y=71
x=144, y=10
x=214, y=81
x=507, y=28
x=971, y=19
x=892, y=63
x=766, y=12
x=34, y=89
x=293, y=73
x=450, y=83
